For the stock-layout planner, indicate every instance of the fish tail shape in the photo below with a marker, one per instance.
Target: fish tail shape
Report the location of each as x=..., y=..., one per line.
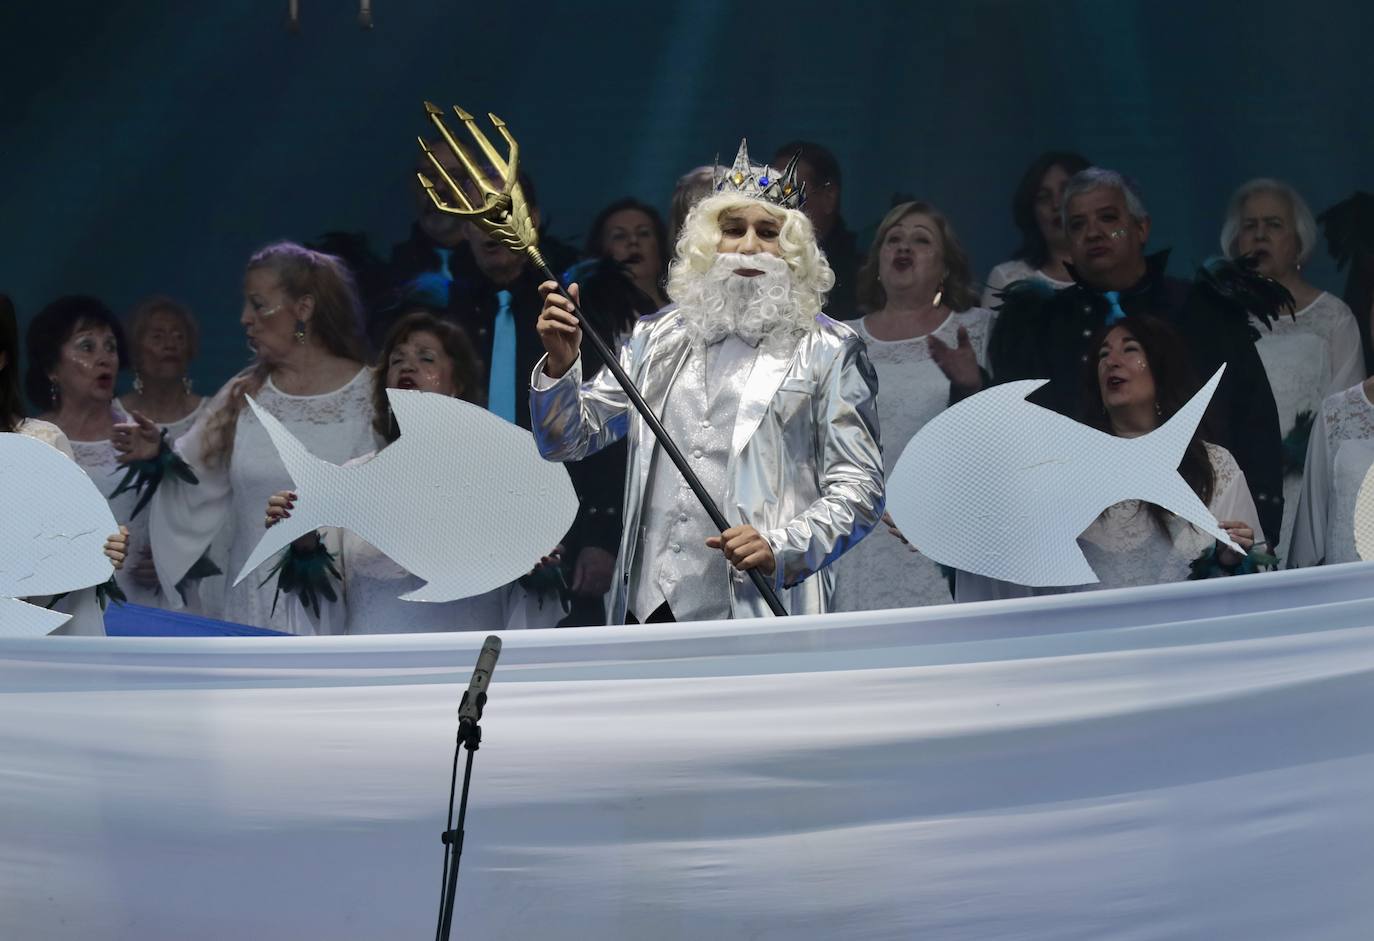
x=20, y=619
x=306, y=470
x=1166, y=487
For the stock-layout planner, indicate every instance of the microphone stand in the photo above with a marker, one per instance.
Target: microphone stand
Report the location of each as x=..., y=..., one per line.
x=470, y=737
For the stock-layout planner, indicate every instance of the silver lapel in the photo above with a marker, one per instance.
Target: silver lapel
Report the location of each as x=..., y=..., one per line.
x=770, y=368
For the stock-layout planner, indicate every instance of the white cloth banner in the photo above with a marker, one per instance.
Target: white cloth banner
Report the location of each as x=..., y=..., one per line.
x=1186, y=761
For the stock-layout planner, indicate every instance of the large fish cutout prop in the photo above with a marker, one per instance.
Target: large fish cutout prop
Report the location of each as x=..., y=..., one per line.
x=1000, y=487
x=1364, y=517
x=53, y=527
x=461, y=499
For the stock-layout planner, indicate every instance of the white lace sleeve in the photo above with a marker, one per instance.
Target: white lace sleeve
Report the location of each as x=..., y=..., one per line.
x=184, y=518
x=1347, y=353
x=1309, y=526
x=1231, y=499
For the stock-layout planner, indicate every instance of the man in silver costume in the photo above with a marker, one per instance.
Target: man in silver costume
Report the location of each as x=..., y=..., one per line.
x=770, y=400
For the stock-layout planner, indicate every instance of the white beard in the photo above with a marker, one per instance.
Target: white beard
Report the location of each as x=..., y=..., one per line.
x=719, y=302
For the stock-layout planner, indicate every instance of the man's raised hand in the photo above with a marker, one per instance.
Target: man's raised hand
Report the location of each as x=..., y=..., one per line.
x=559, y=330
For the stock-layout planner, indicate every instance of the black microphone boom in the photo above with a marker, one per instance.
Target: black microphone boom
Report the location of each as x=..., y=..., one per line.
x=469, y=736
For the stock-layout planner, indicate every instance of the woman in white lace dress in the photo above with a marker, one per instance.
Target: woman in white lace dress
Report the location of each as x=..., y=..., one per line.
x=1313, y=354
x=163, y=342
x=432, y=355
x=76, y=348
x=83, y=605
x=1340, y=454
x=926, y=340
x=302, y=319
x=1140, y=380
x=1044, y=249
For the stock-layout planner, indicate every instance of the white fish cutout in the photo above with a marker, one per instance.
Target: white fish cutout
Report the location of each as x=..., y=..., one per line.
x=1364, y=518
x=1000, y=487
x=53, y=527
x=462, y=499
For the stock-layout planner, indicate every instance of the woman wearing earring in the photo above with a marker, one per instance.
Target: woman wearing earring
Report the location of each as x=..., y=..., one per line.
x=76, y=349
x=424, y=353
x=83, y=605
x=927, y=341
x=164, y=339
x=302, y=320
x=1309, y=356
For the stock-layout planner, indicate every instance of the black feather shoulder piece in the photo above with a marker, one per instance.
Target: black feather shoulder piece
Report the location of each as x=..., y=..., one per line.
x=1349, y=228
x=1024, y=298
x=1240, y=290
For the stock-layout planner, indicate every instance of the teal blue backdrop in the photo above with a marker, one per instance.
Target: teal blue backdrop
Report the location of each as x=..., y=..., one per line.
x=150, y=147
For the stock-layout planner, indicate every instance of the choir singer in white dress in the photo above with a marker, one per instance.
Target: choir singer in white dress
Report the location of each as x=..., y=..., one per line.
x=1140, y=378
x=424, y=353
x=83, y=606
x=927, y=340
x=302, y=320
x=1308, y=356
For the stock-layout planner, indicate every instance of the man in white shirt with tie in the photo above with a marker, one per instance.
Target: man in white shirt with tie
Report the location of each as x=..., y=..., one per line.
x=771, y=401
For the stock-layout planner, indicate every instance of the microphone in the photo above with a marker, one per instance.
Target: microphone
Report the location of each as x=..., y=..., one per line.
x=470, y=709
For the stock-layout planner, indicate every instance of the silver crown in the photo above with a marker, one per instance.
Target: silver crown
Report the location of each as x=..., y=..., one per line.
x=761, y=182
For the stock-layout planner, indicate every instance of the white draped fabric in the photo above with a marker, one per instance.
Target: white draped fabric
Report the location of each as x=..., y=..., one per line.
x=1183, y=761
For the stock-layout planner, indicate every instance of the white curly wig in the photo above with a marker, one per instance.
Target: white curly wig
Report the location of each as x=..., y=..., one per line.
x=812, y=278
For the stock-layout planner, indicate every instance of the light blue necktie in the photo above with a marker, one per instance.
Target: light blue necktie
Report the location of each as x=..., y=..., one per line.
x=1116, y=313
x=445, y=255
x=501, y=385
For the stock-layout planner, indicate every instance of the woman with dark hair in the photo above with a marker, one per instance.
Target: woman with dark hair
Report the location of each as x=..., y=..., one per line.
x=1044, y=248
x=1139, y=379
x=927, y=339
x=631, y=233
x=425, y=353
x=83, y=606
x=76, y=349
x=302, y=320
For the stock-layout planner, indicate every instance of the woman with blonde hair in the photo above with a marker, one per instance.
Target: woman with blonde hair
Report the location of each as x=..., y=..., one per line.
x=302, y=320
x=927, y=339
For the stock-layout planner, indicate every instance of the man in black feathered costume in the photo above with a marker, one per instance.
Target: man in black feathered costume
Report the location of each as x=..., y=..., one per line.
x=1043, y=334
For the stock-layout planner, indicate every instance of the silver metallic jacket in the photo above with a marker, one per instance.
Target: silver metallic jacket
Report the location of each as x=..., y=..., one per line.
x=806, y=468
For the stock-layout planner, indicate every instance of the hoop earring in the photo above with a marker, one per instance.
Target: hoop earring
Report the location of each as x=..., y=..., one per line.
x=300, y=331
x=138, y=383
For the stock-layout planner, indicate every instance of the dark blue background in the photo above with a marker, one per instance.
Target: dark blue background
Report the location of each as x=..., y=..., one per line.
x=150, y=147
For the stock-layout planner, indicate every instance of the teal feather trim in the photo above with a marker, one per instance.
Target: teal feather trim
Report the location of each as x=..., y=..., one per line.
x=309, y=575
x=143, y=477
x=1209, y=564
x=1295, y=444
x=104, y=593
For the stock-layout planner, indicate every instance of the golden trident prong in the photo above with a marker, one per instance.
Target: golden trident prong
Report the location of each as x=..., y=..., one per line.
x=504, y=213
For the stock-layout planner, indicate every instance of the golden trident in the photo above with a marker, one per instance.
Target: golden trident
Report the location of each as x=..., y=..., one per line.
x=504, y=214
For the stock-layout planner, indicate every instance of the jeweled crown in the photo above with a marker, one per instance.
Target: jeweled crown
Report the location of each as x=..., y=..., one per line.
x=761, y=182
